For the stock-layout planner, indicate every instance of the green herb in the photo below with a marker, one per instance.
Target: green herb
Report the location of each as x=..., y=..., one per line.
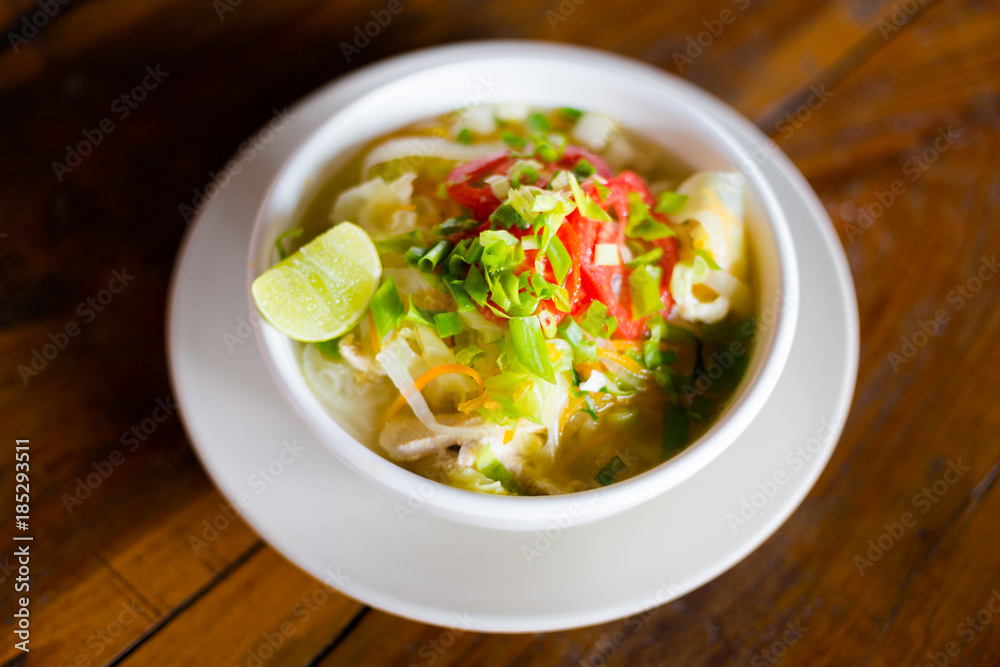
x=489, y=466
x=611, y=468
x=386, y=308
x=447, y=324
x=530, y=346
x=670, y=202
x=278, y=242
x=644, y=286
x=464, y=136
x=330, y=349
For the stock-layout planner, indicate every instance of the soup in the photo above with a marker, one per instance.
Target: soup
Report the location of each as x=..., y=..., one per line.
x=519, y=301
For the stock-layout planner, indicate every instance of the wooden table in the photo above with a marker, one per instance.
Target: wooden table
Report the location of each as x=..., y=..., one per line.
x=890, y=109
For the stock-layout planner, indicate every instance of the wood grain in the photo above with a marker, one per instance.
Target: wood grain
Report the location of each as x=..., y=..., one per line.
x=860, y=94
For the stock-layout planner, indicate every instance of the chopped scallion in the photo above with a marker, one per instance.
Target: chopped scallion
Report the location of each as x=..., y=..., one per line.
x=386, y=307
x=530, y=346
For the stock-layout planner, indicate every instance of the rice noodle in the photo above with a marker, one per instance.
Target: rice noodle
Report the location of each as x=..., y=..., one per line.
x=396, y=357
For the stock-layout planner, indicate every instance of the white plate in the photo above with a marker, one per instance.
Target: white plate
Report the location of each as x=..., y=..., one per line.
x=343, y=530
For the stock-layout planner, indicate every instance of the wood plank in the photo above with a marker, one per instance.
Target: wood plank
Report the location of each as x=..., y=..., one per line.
x=267, y=610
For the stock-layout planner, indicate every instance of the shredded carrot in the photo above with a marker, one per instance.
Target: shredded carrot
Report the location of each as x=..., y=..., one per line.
x=626, y=344
x=425, y=379
x=625, y=362
x=508, y=435
x=373, y=333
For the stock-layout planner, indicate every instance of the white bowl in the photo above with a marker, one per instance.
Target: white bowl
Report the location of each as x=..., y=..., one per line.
x=644, y=99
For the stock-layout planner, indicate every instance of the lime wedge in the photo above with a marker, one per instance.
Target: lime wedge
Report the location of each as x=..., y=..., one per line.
x=322, y=289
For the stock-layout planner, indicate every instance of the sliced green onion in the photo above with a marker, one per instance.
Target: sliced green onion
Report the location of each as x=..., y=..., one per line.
x=419, y=315
x=476, y=286
x=506, y=216
x=461, y=297
x=330, y=349
x=537, y=122
x=279, y=242
x=644, y=286
x=559, y=258
x=430, y=259
x=611, y=468
x=597, y=322
x=589, y=407
x=464, y=136
x=447, y=324
x=570, y=113
x=588, y=207
x=523, y=173
x=489, y=465
x=469, y=354
x=517, y=394
x=571, y=331
x=386, y=308
x=583, y=169
x=511, y=286
x=400, y=243
x=585, y=352
x=513, y=140
x=670, y=202
x=413, y=255
x=530, y=346
x=641, y=223
x=705, y=255
x=675, y=430
x=602, y=190
x=544, y=202
x=454, y=225
x=650, y=257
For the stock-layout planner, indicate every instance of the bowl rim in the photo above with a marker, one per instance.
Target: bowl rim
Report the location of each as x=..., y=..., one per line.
x=526, y=512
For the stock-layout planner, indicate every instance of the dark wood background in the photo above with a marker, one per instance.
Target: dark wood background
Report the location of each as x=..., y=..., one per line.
x=115, y=580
